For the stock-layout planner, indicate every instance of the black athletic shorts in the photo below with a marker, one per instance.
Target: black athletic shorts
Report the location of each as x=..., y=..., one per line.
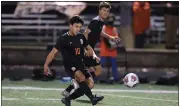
x=90, y=61
x=71, y=69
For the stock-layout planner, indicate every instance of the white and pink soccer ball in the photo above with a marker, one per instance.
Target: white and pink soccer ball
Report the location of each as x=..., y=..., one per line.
x=131, y=80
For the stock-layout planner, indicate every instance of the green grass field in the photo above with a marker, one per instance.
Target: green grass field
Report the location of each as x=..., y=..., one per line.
x=39, y=93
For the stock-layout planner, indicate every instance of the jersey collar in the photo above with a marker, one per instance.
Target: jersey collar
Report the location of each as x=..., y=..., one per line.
x=99, y=18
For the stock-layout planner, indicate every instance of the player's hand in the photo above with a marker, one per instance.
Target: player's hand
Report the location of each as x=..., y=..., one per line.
x=115, y=39
x=89, y=53
x=46, y=70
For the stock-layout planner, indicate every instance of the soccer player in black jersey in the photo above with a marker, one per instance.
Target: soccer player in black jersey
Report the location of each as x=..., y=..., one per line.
x=72, y=46
x=93, y=34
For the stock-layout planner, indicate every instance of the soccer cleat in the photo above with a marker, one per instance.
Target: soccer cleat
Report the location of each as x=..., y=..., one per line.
x=100, y=98
x=96, y=99
x=65, y=93
x=66, y=101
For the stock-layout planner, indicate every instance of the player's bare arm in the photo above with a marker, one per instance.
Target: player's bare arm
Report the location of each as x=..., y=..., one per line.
x=105, y=35
x=49, y=59
x=86, y=32
x=89, y=51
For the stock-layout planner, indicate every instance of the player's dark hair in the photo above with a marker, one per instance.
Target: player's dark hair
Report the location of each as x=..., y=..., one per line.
x=76, y=19
x=104, y=4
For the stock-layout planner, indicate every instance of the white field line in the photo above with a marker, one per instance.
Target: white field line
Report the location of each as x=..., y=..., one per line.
x=47, y=99
x=53, y=99
x=95, y=90
x=5, y=98
x=41, y=99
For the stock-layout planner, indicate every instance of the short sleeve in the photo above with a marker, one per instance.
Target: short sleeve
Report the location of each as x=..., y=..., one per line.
x=60, y=42
x=85, y=44
x=92, y=25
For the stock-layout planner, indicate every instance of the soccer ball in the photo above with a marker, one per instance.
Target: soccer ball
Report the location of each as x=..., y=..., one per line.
x=130, y=80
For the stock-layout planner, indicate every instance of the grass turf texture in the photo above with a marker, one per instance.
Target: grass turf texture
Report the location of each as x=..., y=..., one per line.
x=46, y=97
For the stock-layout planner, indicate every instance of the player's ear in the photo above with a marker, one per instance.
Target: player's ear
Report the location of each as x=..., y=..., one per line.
x=70, y=25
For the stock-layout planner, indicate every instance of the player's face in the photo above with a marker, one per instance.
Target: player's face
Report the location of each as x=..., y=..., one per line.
x=104, y=12
x=75, y=28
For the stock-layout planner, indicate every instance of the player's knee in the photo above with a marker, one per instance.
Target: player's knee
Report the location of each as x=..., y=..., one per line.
x=91, y=85
x=79, y=76
x=82, y=78
x=98, y=70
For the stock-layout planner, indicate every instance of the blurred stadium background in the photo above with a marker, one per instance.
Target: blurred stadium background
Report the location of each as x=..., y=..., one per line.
x=30, y=29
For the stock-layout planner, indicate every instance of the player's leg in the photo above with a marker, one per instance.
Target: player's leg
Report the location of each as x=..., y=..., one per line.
x=90, y=82
x=98, y=70
x=74, y=91
x=74, y=85
x=94, y=65
x=95, y=68
x=71, y=88
x=78, y=75
x=80, y=78
x=66, y=100
x=83, y=89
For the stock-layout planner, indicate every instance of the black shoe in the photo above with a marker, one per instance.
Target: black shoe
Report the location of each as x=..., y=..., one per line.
x=96, y=99
x=66, y=101
x=100, y=98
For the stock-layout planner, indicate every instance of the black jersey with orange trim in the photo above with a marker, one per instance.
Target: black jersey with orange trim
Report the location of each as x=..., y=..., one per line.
x=71, y=48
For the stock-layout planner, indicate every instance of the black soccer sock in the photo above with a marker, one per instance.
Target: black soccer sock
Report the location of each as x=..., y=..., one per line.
x=85, y=89
x=69, y=88
x=78, y=93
